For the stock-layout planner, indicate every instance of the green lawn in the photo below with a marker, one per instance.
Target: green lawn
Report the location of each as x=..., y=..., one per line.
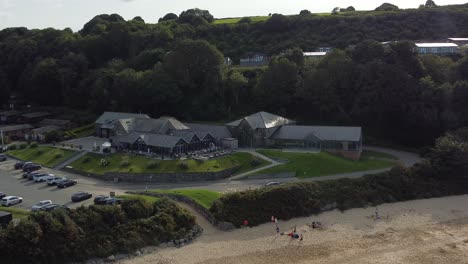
x=234, y=20
x=147, y=198
x=307, y=165
x=203, y=197
x=46, y=156
x=90, y=163
x=17, y=213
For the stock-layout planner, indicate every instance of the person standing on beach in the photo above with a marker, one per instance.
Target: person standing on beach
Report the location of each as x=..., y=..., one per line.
x=277, y=230
x=377, y=213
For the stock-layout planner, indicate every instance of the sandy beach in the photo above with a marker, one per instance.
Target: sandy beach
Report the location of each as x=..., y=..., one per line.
x=421, y=231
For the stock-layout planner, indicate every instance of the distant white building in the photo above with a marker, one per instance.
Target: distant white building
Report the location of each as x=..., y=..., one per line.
x=315, y=54
x=436, y=48
x=459, y=41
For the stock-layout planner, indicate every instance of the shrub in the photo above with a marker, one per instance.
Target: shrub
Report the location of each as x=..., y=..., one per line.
x=33, y=145
x=58, y=155
x=23, y=145
x=255, y=162
x=183, y=165
x=56, y=236
x=125, y=162
x=152, y=164
x=85, y=160
x=12, y=147
x=39, y=152
x=104, y=162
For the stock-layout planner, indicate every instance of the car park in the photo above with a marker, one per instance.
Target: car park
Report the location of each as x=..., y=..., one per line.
x=31, y=167
x=26, y=174
x=81, y=196
x=20, y=164
x=3, y=157
x=2, y=194
x=11, y=200
x=43, y=178
x=273, y=183
x=55, y=180
x=40, y=205
x=66, y=183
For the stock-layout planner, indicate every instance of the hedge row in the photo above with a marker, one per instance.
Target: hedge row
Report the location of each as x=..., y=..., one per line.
x=444, y=173
x=95, y=231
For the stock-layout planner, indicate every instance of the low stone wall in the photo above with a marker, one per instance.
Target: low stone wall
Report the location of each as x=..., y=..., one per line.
x=271, y=176
x=224, y=226
x=159, y=177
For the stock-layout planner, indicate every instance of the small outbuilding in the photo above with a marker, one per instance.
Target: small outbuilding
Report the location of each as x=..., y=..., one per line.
x=5, y=218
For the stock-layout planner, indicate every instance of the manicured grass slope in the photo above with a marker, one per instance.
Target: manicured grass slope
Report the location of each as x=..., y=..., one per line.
x=46, y=156
x=202, y=197
x=17, y=213
x=378, y=155
x=139, y=164
x=236, y=19
x=150, y=199
x=84, y=131
x=307, y=165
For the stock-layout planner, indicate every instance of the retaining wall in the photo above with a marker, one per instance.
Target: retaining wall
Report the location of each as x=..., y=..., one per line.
x=159, y=177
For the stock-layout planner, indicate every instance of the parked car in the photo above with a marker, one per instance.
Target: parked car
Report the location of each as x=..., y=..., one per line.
x=101, y=199
x=113, y=200
x=11, y=200
x=51, y=207
x=81, y=196
x=5, y=218
x=31, y=167
x=3, y=157
x=66, y=183
x=2, y=194
x=43, y=178
x=273, y=183
x=55, y=180
x=32, y=175
x=40, y=204
x=20, y=164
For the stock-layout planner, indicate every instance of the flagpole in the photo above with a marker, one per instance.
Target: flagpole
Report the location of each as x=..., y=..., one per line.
x=1, y=135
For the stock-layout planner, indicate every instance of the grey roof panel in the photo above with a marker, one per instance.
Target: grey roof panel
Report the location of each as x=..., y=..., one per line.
x=324, y=133
x=46, y=129
x=163, y=141
x=214, y=130
x=263, y=120
x=159, y=126
x=16, y=127
x=107, y=117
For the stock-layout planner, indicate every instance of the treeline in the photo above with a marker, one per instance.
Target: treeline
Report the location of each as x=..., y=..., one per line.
x=444, y=173
x=176, y=67
x=95, y=231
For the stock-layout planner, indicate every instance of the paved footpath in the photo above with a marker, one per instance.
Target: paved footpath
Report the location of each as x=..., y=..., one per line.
x=70, y=160
x=259, y=155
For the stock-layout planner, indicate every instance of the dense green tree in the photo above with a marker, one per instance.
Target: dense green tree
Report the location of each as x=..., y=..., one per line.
x=304, y=12
x=387, y=7
x=430, y=4
x=168, y=16
x=195, y=16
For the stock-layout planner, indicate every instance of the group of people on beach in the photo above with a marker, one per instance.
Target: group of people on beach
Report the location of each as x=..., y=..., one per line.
x=293, y=234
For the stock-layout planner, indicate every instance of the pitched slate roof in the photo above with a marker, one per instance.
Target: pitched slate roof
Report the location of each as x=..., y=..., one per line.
x=10, y=113
x=46, y=129
x=158, y=126
x=108, y=117
x=154, y=140
x=163, y=141
x=15, y=128
x=215, y=131
x=324, y=133
x=54, y=122
x=263, y=120
x=36, y=114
